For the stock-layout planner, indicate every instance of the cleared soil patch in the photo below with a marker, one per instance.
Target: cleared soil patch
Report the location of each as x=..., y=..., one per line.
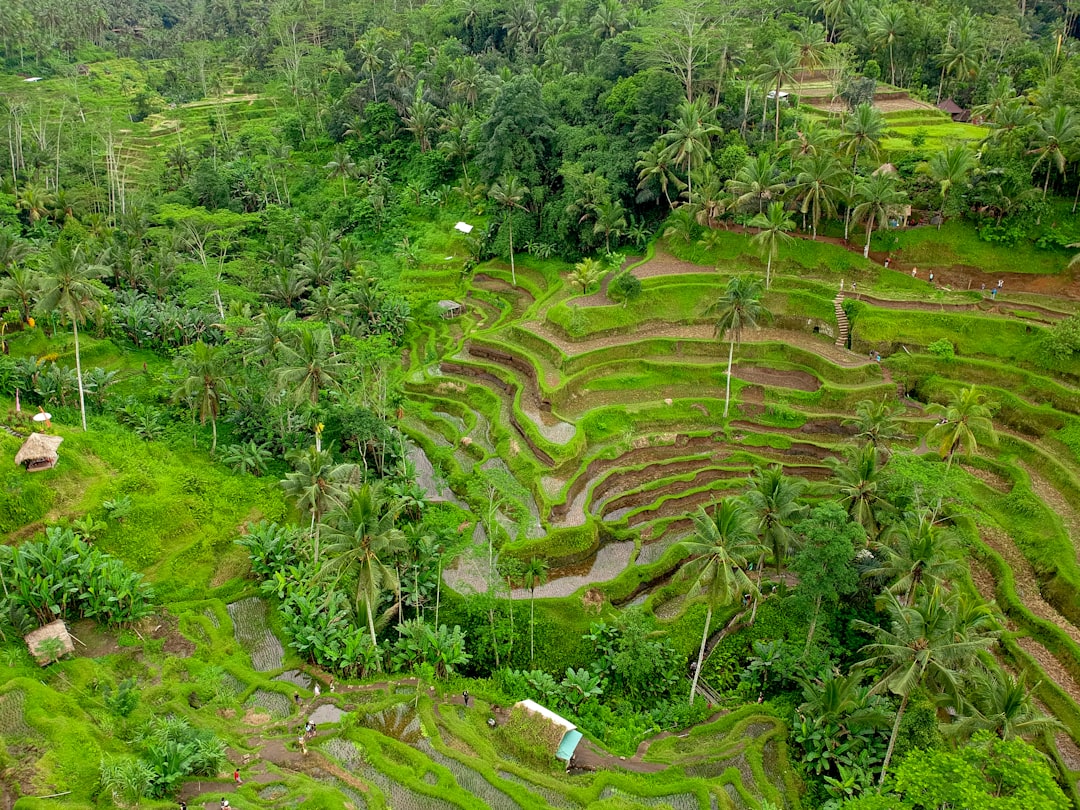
x=1027, y=585
x=778, y=378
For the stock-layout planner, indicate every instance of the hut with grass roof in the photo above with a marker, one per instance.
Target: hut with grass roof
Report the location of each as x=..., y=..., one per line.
x=39, y=452
x=563, y=736
x=50, y=642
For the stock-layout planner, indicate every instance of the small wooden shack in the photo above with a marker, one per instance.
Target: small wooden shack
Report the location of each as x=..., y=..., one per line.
x=955, y=111
x=450, y=309
x=39, y=452
x=50, y=642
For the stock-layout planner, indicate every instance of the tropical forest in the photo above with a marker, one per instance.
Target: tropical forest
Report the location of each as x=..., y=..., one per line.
x=526, y=404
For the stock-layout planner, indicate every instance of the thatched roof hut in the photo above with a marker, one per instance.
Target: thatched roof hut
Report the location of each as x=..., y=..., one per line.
x=39, y=452
x=42, y=645
x=450, y=309
x=564, y=736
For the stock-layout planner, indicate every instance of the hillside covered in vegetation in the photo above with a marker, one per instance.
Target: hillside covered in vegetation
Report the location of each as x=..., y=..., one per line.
x=705, y=373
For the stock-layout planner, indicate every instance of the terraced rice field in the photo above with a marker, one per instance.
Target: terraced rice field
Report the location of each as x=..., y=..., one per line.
x=610, y=419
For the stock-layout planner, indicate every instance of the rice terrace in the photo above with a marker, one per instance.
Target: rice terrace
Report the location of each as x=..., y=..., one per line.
x=553, y=404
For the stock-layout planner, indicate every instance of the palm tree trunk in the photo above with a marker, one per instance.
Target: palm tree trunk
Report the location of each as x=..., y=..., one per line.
x=892, y=740
x=700, y=655
x=213, y=430
x=757, y=596
x=1046, y=182
x=869, y=232
x=532, y=624
x=371, y=621
x=513, y=274
x=813, y=625
x=777, y=125
x=727, y=394
x=78, y=372
x=768, y=271
x=344, y=191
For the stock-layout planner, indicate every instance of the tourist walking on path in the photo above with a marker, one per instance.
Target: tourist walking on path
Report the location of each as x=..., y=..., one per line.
x=236, y=777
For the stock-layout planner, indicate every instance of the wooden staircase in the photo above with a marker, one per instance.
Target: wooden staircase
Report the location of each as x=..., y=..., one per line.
x=841, y=321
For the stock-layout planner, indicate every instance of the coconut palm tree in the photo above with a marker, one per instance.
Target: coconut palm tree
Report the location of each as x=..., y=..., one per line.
x=509, y=192
x=610, y=221
x=817, y=187
x=856, y=481
x=1002, y=704
x=965, y=416
x=862, y=133
x=722, y=547
x=535, y=574
x=586, y=272
x=878, y=196
x=886, y=27
x=317, y=484
x=68, y=289
x=203, y=370
x=919, y=553
x=19, y=289
x=362, y=537
x=772, y=500
x=688, y=141
x=773, y=227
x=369, y=51
x=919, y=646
x=654, y=167
x=757, y=180
x=781, y=62
x=1056, y=133
x=960, y=55
x=950, y=169
x=308, y=364
x=878, y=423
x=342, y=165
x=737, y=309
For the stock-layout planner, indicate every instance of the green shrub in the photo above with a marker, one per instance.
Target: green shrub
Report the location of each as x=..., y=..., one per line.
x=942, y=348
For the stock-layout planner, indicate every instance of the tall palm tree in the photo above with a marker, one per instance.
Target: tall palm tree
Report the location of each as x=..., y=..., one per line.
x=509, y=191
x=723, y=545
x=19, y=289
x=1011, y=123
x=918, y=647
x=362, y=536
x=919, y=553
x=960, y=55
x=886, y=28
x=781, y=62
x=757, y=180
x=862, y=133
x=950, y=169
x=817, y=187
x=737, y=309
x=654, y=167
x=1056, y=133
x=856, y=481
x=610, y=220
x=773, y=227
x=877, y=422
x=964, y=417
x=342, y=165
x=688, y=140
x=308, y=364
x=878, y=196
x=370, y=52
x=772, y=500
x=204, y=381
x=317, y=484
x=535, y=574
x=67, y=288
x=1002, y=704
